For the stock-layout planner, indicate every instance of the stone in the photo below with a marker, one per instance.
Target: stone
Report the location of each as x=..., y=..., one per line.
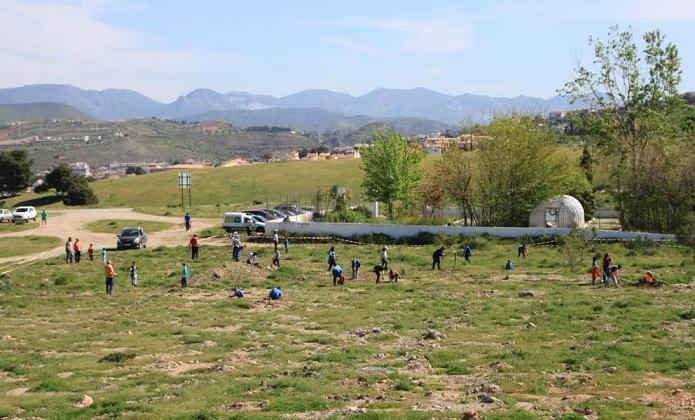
x=530, y=326
x=432, y=335
x=526, y=293
x=486, y=389
x=611, y=369
x=487, y=399
x=85, y=402
x=470, y=415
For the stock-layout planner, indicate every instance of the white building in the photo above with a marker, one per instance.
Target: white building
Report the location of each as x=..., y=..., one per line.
x=81, y=169
x=563, y=211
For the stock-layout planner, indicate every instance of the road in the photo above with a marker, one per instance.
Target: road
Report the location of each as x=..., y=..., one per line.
x=72, y=223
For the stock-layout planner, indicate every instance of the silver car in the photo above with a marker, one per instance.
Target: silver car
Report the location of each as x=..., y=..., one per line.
x=5, y=216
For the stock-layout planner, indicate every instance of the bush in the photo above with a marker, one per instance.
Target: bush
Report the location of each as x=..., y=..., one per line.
x=118, y=357
x=61, y=279
x=80, y=193
x=686, y=234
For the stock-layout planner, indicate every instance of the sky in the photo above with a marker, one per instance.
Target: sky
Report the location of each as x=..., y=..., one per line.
x=166, y=48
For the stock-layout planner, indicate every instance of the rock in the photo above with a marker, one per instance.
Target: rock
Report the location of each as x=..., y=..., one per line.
x=486, y=399
x=470, y=415
x=530, y=326
x=585, y=411
x=432, y=335
x=216, y=275
x=611, y=369
x=428, y=392
x=526, y=293
x=301, y=277
x=486, y=389
x=85, y=402
x=499, y=366
x=7, y=338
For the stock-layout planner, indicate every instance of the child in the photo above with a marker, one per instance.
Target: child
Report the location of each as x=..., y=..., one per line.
x=90, y=252
x=184, y=276
x=355, y=265
x=238, y=293
x=276, y=258
x=331, y=258
x=338, y=275
x=509, y=266
x=103, y=255
x=467, y=253
x=251, y=259
x=393, y=276
x=287, y=244
x=384, y=258
x=377, y=270
x=275, y=293
x=109, y=274
x=134, y=275
x=594, y=270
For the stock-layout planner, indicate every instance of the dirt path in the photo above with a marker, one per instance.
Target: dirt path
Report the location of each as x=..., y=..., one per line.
x=73, y=223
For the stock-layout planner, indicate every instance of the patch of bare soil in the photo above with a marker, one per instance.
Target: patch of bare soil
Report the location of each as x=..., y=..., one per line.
x=654, y=379
x=169, y=365
x=416, y=364
x=676, y=404
x=17, y=392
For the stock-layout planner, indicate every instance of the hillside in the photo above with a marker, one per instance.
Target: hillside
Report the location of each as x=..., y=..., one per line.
x=378, y=104
x=40, y=111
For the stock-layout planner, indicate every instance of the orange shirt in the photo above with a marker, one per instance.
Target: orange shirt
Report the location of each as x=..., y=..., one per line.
x=649, y=278
x=108, y=270
x=78, y=247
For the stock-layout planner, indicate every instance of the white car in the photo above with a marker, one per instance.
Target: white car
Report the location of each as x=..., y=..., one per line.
x=24, y=214
x=5, y=216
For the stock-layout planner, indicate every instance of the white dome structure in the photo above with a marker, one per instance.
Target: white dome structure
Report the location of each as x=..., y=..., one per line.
x=562, y=211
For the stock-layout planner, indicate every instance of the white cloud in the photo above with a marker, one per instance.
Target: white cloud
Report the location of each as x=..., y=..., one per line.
x=421, y=35
x=351, y=45
x=68, y=42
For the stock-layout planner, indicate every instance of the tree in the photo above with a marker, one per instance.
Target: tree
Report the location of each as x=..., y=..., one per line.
x=633, y=94
x=80, y=193
x=391, y=168
x=587, y=163
x=15, y=172
x=134, y=170
x=456, y=174
x=433, y=195
x=304, y=152
x=340, y=196
x=60, y=179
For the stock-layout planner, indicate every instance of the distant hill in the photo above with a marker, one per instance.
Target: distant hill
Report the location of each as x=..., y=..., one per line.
x=380, y=103
x=40, y=111
x=317, y=119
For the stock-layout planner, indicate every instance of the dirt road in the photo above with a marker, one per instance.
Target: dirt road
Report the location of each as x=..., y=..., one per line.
x=73, y=223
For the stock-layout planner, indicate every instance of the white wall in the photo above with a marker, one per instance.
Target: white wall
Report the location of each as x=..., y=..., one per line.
x=396, y=231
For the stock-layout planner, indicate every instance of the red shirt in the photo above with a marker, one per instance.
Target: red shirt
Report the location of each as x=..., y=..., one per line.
x=194, y=242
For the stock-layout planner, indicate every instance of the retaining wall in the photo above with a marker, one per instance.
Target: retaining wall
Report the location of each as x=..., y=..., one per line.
x=397, y=231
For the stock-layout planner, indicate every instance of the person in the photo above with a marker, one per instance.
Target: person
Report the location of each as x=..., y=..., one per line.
x=467, y=253
x=393, y=276
x=384, y=258
x=377, y=270
x=90, y=252
x=521, y=251
x=509, y=266
x=331, y=258
x=251, y=258
x=236, y=246
x=613, y=275
x=77, y=246
x=44, y=218
x=605, y=265
x=276, y=258
x=103, y=255
x=648, y=279
x=187, y=221
x=248, y=225
x=338, y=275
x=594, y=270
x=109, y=274
x=287, y=244
x=275, y=293
x=437, y=258
x=69, y=251
x=238, y=293
x=193, y=244
x=355, y=265
x=134, y=275
x=184, y=275
x=276, y=240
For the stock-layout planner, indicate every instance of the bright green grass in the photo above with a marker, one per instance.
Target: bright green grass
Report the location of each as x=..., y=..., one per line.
x=243, y=358
x=18, y=227
x=115, y=226
x=23, y=245
x=222, y=189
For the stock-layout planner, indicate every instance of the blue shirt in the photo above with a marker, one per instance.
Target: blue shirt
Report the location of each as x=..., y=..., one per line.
x=184, y=273
x=337, y=270
x=275, y=293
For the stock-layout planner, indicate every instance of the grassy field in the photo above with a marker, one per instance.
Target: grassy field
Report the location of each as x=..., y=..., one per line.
x=221, y=189
x=10, y=247
x=115, y=226
x=158, y=351
x=18, y=227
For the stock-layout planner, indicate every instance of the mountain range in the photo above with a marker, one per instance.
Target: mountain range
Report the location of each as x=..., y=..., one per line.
x=309, y=109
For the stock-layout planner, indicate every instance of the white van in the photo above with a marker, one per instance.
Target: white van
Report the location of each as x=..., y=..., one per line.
x=238, y=221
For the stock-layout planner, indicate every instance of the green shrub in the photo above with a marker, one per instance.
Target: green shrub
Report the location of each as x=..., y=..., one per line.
x=61, y=279
x=118, y=357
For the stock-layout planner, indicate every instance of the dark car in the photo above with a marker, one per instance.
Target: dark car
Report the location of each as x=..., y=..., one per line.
x=132, y=237
x=263, y=213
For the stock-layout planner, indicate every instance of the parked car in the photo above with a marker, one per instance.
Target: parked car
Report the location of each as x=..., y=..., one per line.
x=24, y=214
x=132, y=237
x=279, y=214
x=290, y=209
x=5, y=216
x=258, y=219
x=268, y=216
x=238, y=221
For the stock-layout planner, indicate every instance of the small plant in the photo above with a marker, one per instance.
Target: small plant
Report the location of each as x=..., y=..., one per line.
x=573, y=247
x=118, y=357
x=61, y=279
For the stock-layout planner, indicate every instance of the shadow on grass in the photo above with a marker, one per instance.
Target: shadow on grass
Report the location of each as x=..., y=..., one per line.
x=40, y=201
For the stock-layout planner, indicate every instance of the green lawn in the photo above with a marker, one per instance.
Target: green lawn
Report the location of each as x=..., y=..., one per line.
x=115, y=226
x=221, y=189
x=160, y=352
x=18, y=227
x=23, y=245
